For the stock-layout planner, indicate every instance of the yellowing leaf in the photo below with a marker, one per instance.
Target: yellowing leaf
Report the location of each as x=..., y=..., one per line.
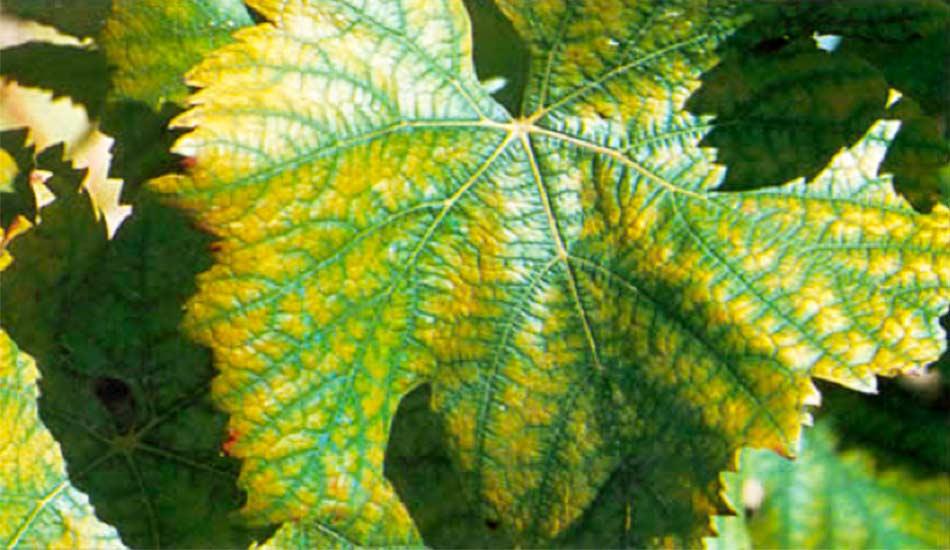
x=39, y=508
x=600, y=331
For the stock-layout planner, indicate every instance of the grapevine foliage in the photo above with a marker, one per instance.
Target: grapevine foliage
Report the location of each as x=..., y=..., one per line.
x=376, y=295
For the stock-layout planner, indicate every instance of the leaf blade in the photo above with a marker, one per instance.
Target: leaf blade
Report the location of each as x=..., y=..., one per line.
x=533, y=270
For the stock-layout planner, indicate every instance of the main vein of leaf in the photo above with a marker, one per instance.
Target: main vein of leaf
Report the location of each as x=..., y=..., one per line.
x=657, y=306
x=40, y=506
x=561, y=249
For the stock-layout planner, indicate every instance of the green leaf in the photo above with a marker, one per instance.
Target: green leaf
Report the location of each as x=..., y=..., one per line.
x=498, y=52
x=124, y=394
x=82, y=19
x=833, y=499
x=152, y=43
x=783, y=105
x=419, y=465
x=600, y=331
x=784, y=115
x=39, y=507
x=81, y=73
x=919, y=158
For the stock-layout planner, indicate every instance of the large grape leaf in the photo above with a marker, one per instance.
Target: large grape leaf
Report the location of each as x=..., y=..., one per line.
x=833, y=499
x=601, y=333
x=123, y=393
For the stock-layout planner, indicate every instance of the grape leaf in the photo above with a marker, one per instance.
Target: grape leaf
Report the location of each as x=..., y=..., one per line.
x=783, y=115
x=82, y=19
x=898, y=423
x=784, y=105
x=833, y=499
x=420, y=468
x=15, y=191
x=123, y=393
x=600, y=332
x=80, y=73
x=39, y=507
x=152, y=43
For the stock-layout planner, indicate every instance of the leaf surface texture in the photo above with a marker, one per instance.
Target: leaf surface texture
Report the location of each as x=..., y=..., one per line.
x=600, y=331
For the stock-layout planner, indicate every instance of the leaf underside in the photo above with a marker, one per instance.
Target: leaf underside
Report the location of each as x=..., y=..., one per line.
x=599, y=330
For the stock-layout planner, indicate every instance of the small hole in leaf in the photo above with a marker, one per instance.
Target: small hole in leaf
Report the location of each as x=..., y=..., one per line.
x=111, y=391
x=501, y=57
x=491, y=524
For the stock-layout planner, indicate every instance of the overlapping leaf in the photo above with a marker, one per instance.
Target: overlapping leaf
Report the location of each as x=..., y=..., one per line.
x=600, y=332
x=39, y=507
x=82, y=19
x=784, y=106
x=833, y=499
x=123, y=393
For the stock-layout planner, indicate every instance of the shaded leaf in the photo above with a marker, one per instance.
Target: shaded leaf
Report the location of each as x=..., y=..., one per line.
x=122, y=391
x=39, y=507
x=421, y=470
x=498, y=52
x=919, y=158
x=16, y=193
x=784, y=115
x=900, y=42
x=601, y=333
x=80, y=73
x=81, y=19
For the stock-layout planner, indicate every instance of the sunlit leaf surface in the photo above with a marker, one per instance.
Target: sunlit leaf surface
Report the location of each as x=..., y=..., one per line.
x=600, y=331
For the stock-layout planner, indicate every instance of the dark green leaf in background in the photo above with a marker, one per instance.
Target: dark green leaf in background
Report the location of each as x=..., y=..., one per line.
x=775, y=129
x=122, y=391
x=82, y=18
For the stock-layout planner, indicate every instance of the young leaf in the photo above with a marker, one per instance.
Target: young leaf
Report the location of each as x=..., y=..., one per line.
x=601, y=333
x=833, y=499
x=39, y=507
